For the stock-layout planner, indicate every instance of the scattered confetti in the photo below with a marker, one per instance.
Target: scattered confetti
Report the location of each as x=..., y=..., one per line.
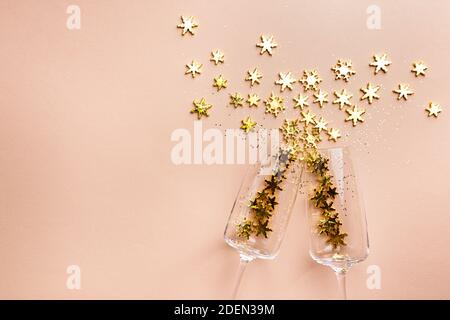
x=194, y=68
x=403, y=91
x=370, y=92
x=201, y=108
x=301, y=101
x=266, y=45
x=343, y=70
x=321, y=97
x=286, y=80
x=333, y=134
x=248, y=124
x=433, y=109
x=274, y=104
x=217, y=57
x=236, y=100
x=254, y=77
x=321, y=124
x=343, y=98
x=290, y=129
x=187, y=24
x=220, y=83
x=419, y=68
x=355, y=115
x=310, y=80
x=308, y=117
x=253, y=100
x=380, y=63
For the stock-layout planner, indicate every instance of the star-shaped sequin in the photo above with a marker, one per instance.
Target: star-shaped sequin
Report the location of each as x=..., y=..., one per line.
x=333, y=134
x=290, y=129
x=370, y=92
x=419, y=68
x=321, y=124
x=301, y=101
x=266, y=44
x=320, y=97
x=201, y=108
x=310, y=80
x=274, y=104
x=433, y=109
x=187, y=24
x=343, y=70
x=343, y=98
x=286, y=80
x=248, y=124
x=194, y=68
x=254, y=77
x=217, y=57
x=253, y=100
x=220, y=83
x=380, y=62
x=308, y=117
x=403, y=91
x=236, y=100
x=355, y=115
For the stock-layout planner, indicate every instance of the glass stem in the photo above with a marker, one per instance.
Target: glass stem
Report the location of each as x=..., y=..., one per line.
x=341, y=279
x=243, y=262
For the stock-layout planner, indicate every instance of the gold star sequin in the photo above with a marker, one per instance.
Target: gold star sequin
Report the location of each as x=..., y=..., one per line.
x=286, y=80
x=343, y=98
x=301, y=101
x=370, y=93
x=217, y=57
x=310, y=80
x=194, y=68
x=308, y=117
x=187, y=24
x=380, y=63
x=236, y=100
x=419, y=68
x=254, y=77
x=403, y=91
x=248, y=124
x=266, y=44
x=343, y=70
x=253, y=100
x=433, y=109
x=355, y=115
x=333, y=134
x=321, y=124
x=310, y=138
x=274, y=104
x=220, y=83
x=321, y=97
x=201, y=108
x=290, y=129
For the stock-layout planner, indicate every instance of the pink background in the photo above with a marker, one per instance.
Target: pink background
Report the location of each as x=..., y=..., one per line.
x=85, y=122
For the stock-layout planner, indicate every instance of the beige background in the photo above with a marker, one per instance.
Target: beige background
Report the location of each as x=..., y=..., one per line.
x=85, y=170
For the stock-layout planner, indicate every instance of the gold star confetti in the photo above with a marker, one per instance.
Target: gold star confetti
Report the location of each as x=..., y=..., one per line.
x=403, y=91
x=310, y=80
x=266, y=45
x=217, y=57
x=187, y=24
x=321, y=124
x=343, y=70
x=253, y=100
x=248, y=124
x=286, y=81
x=293, y=148
x=343, y=98
x=333, y=134
x=433, y=109
x=194, y=68
x=236, y=100
x=419, y=68
x=309, y=138
x=254, y=77
x=380, y=63
x=290, y=129
x=321, y=97
x=274, y=104
x=220, y=83
x=301, y=101
x=370, y=93
x=201, y=108
x=308, y=117
x=355, y=115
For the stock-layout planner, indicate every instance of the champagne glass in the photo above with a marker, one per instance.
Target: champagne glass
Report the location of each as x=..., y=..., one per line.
x=338, y=250
x=261, y=210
